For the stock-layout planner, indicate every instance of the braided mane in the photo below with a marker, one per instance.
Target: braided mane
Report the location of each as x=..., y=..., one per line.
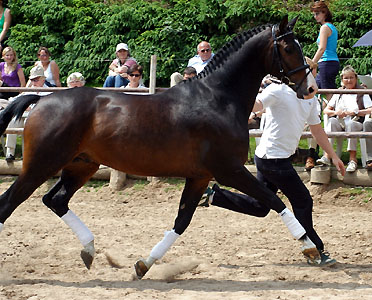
x=234, y=45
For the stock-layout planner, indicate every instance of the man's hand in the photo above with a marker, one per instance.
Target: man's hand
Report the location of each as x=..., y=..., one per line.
x=339, y=165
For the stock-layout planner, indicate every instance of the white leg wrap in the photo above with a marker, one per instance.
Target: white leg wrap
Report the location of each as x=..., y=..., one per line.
x=294, y=227
x=162, y=247
x=78, y=227
x=1, y=227
x=307, y=244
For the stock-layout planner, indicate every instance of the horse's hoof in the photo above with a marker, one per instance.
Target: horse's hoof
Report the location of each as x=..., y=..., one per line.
x=141, y=268
x=87, y=258
x=311, y=253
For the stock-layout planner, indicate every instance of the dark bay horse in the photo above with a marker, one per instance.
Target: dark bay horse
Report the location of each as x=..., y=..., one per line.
x=197, y=130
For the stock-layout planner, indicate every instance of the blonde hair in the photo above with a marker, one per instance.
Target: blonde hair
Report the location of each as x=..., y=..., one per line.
x=14, y=63
x=348, y=69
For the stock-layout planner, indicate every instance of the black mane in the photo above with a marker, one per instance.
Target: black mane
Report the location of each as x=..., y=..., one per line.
x=230, y=47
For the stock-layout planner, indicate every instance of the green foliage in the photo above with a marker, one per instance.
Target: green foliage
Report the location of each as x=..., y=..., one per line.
x=82, y=34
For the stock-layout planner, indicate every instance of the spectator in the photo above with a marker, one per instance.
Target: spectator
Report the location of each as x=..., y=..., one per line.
x=51, y=69
x=176, y=77
x=279, y=140
x=203, y=57
x=346, y=113
x=135, y=77
x=37, y=79
x=326, y=55
x=118, y=69
x=5, y=21
x=75, y=79
x=11, y=72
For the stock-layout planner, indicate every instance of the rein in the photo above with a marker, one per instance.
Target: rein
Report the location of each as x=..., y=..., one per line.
x=285, y=77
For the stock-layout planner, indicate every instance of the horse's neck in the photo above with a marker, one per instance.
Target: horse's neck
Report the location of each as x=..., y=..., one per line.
x=241, y=74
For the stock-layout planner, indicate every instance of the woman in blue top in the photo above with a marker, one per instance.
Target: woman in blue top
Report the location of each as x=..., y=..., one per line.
x=326, y=55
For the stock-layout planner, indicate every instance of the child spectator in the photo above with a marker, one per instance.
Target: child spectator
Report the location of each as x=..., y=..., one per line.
x=135, y=77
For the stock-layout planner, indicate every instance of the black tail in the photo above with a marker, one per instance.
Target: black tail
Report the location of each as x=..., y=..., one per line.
x=16, y=109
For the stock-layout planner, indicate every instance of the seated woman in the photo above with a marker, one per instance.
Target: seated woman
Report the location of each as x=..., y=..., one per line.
x=118, y=69
x=11, y=72
x=51, y=69
x=75, y=79
x=346, y=113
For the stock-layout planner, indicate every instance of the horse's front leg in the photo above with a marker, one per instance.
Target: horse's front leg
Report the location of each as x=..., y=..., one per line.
x=191, y=195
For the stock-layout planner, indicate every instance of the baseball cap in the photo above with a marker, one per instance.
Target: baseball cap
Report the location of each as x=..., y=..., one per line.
x=121, y=46
x=37, y=71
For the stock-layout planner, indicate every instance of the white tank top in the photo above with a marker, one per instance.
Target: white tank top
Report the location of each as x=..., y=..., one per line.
x=48, y=74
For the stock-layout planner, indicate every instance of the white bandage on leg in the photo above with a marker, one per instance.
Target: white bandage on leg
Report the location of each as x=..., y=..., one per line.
x=307, y=244
x=162, y=247
x=294, y=227
x=1, y=227
x=78, y=227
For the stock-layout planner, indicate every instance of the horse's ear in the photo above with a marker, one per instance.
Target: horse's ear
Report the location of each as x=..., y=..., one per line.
x=292, y=23
x=283, y=24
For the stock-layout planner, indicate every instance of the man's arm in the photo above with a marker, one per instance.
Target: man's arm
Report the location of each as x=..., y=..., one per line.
x=321, y=137
x=257, y=106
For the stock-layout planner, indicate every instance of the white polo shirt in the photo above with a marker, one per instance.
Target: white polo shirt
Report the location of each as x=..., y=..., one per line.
x=286, y=116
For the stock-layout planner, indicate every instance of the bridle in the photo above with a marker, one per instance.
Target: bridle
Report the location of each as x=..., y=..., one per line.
x=285, y=75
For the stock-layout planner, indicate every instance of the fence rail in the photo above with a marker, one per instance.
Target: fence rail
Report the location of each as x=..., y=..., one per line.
x=307, y=134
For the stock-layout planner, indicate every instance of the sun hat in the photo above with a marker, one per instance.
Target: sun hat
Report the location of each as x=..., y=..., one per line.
x=76, y=76
x=37, y=71
x=121, y=46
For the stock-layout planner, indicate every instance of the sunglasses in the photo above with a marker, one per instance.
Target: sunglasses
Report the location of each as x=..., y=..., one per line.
x=205, y=50
x=35, y=79
x=135, y=75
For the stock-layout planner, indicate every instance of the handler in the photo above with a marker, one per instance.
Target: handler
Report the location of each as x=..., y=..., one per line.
x=286, y=116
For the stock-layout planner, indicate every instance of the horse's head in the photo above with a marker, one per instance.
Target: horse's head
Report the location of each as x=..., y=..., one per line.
x=288, y=61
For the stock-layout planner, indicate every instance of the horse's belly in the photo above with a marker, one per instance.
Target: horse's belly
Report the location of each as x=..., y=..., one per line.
x=154, y=162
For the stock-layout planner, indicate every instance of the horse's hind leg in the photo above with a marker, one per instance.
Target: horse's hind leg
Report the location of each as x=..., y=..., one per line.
x=191, y=195
x=73, y=177
x=22, y=188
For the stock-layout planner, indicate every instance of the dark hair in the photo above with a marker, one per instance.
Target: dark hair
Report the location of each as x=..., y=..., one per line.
x=321, y=6
x=43, y=48
x=189, y=71
x=135, y=68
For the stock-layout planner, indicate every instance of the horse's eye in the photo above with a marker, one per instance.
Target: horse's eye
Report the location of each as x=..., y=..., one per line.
x=288, y=50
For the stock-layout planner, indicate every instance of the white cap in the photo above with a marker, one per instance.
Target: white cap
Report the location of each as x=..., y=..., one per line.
x=37, y=71
x=121, y=46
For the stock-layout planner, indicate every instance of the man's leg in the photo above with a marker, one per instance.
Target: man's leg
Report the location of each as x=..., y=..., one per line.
x=281, y=174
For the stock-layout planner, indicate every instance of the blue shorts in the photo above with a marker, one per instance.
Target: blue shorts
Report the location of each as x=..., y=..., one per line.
x=327, y=72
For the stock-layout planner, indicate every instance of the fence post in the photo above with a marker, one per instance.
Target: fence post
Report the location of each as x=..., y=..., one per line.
x=152, y=86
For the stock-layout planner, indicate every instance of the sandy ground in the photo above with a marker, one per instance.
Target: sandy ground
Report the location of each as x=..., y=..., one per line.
x=222, y=255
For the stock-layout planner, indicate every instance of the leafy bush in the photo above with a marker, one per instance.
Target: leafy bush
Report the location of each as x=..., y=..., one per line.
x=82, y=34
